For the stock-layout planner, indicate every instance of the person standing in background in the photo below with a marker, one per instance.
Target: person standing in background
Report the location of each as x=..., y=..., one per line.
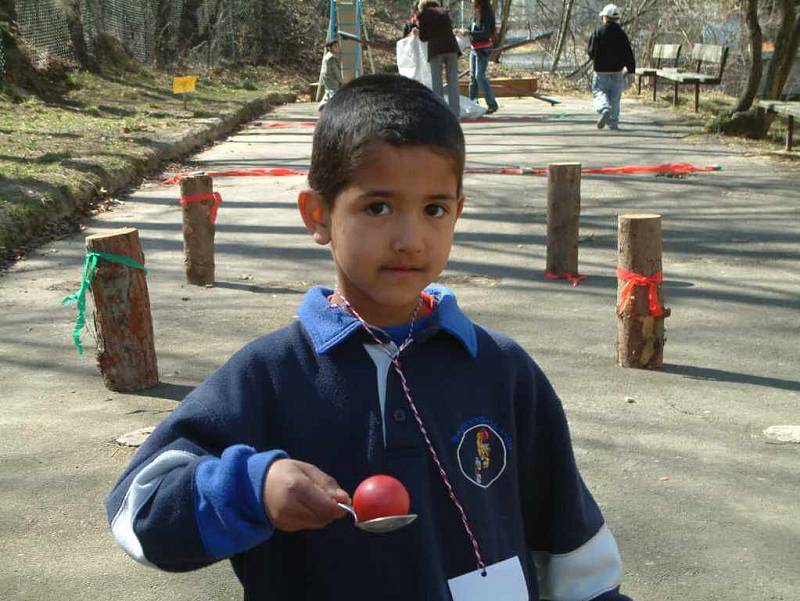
x=436, y=29
x=610, y=51
x=331, y=75
x=481, y=36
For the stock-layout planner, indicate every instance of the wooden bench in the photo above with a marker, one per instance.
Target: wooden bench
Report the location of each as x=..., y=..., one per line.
x=505, y=87
x=703, y=54
x=661, y=52
x=790, y=110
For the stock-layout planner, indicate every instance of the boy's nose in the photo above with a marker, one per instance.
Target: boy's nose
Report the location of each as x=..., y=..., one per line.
x=407, y=237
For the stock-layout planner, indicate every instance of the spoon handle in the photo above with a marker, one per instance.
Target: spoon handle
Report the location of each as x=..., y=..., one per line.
x=349, y=510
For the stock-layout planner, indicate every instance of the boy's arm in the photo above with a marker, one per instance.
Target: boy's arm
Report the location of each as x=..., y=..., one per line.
x=193, y=494
x=575, y=553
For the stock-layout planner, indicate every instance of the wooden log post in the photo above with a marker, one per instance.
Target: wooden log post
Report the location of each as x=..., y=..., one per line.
x=126, y=353
x=563, y=217
x=640, y=319
x=198, y=230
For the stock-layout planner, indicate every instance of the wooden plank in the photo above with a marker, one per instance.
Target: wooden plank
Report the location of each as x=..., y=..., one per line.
x=708, y=53
x=782, y=108
x=666, y=51
x=507, y=87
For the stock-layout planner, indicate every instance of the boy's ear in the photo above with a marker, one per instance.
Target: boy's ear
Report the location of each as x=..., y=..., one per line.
x=460, y=206
x=316, y=215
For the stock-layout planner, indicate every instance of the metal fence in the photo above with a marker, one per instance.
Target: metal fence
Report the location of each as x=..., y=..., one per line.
x=208, y=32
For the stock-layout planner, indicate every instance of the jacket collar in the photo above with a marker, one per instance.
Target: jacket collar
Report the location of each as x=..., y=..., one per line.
x=328, y=325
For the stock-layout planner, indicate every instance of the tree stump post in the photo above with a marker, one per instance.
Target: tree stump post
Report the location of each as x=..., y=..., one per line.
x=563, y=217
x=640, y=319
x=198, y=230
x=126, y=353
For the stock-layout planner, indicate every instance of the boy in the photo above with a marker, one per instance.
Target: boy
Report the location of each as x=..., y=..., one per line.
x=252, y=464
x=331, y=74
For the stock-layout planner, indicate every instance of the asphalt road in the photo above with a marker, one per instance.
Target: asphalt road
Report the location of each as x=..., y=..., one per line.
x=704, y=507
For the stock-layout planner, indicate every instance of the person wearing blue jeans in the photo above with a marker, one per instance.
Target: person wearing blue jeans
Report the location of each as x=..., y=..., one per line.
x=478, y=62
x=611, y=52
x=607, y=91
x=481, y=37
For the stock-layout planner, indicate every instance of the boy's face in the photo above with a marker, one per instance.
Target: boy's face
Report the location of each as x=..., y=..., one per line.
x=390, y=229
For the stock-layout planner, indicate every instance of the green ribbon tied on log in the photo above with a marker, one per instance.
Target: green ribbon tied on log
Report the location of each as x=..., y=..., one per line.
x=79, y=297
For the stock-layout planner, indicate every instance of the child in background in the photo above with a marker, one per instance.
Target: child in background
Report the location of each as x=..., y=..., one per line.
x=331, y=75
x=382, y=373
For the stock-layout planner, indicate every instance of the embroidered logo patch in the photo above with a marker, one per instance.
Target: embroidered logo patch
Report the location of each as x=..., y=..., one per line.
x=481, y=453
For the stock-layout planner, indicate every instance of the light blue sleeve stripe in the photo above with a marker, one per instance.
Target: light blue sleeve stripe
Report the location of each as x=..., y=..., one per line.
x=587, y=572
x=144, y=486
x=229, y=502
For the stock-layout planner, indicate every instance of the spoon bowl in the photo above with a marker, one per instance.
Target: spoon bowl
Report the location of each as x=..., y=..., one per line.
x=380, y=525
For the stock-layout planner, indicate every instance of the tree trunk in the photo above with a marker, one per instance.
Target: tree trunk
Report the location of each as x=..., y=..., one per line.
x=756, y=67
x=563, y=218
x=126, y=353
x=19, y=69
x=562, y=33
x=198, y=230
x=640, y=332
x=783, y=57
x=72, y=11
x=501, y=36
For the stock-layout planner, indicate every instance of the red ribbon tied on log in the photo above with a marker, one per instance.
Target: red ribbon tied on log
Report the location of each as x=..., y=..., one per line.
x=572, y=279
x=632, y=280
x=213, y=196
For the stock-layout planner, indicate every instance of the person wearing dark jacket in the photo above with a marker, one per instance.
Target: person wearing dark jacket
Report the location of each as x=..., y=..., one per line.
x=610, y=51
x=436, y=28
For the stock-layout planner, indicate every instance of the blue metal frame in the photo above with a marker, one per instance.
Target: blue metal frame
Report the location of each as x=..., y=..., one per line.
x=333, y=31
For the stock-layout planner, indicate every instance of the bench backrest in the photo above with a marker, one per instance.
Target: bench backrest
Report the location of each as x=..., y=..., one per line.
x=666, y=51
x=709, y=53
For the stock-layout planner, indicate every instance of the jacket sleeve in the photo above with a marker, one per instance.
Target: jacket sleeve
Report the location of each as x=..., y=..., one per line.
x=630, y=59
x=193, y=492
x=481, y=31
x=591, y=48
x=573, y=550
x=422, y=27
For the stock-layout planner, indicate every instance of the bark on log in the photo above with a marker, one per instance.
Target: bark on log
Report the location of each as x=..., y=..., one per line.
x=640, y=335
x=563, y=217
x=126, y=353
x=198, y=231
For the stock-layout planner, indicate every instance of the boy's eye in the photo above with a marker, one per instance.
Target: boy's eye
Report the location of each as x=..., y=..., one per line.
x=378, y=208
x=435, y=210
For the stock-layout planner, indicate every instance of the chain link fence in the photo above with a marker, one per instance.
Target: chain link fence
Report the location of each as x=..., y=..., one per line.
x=163, y=32
x=2, y=59
x=44, y=29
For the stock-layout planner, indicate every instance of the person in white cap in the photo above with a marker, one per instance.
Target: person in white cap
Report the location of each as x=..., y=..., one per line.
x=611, y=53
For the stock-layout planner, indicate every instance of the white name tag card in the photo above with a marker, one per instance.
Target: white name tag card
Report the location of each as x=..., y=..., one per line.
x=504, y=581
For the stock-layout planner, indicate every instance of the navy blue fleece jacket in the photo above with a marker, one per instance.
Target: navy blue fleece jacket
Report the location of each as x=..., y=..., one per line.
x=321, y=391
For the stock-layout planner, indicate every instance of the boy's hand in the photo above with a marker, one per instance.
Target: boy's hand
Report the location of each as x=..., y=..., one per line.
x=299, y=496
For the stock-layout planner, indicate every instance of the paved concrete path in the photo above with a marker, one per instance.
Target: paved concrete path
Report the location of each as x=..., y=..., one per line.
x=703, y=506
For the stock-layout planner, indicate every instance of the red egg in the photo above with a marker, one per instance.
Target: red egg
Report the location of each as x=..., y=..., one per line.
x=379, y=497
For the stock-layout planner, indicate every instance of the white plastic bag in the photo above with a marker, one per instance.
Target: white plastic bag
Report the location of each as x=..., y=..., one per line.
x=470, y=109
x=463, y=42
x=412, y=59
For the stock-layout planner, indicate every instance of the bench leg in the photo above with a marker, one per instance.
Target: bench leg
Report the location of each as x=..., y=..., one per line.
x=639, y=87
x=675, y=95
x=655, y=85
x=696, y=97
x=789, y=132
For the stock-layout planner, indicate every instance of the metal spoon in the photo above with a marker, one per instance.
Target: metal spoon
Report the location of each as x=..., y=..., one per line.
x=380, y=525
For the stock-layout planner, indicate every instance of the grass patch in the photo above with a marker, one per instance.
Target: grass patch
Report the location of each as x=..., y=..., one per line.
x=55, y=152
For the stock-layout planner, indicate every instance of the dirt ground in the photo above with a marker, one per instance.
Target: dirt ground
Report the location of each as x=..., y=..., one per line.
x=703, y=504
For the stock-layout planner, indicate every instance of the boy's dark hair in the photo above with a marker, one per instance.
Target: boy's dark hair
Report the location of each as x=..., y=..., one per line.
x=379, y=108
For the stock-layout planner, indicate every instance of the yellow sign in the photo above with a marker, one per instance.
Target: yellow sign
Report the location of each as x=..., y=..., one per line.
x=184, y=85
